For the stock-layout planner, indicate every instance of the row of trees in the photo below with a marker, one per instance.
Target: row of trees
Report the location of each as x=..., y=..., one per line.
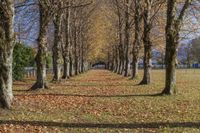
x=147, y=24
x=69, y=45
x=139, y=23
x=68, y=19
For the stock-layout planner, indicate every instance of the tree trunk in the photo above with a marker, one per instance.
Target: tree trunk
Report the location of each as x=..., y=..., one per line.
x=75, y=51
x=147, y=67
x=6, y=53
x=67, y=43
x=170, y=81
x=122, y=68
x=147, y=44
x=65, y=68
x=126, y=43
x=137, y=42
x=79, y=51
x=6, y=95
x=121, y=57
x=120, y=28
x=41, y=82
x=76, y=65
x=41, y=57
x=119, y=68
x=70, y=65
x=120, y=63
x=115, y=63
x=57, y=47
x=134, y=69
x=82, y=57
x=173, y=27
x=82, y=64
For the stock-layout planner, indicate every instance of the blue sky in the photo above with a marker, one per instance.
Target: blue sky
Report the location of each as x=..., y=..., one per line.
x=27, y=22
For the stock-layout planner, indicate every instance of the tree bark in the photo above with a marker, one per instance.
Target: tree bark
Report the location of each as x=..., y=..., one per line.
x=137, y=42
x=147, y=44
x=75, y=48
x=173, y=27
x=67, y=43
x=121, y=57
x=70, y=65
x=82, y=56
x=120, y=47
x=82, y=53
x=120, y=62
x=6, y=53
x=115, y=56
x=82, y=64
x=6, y=95
x=41, y=57
x=57, y=48
x=135, y=70
x=127, y=37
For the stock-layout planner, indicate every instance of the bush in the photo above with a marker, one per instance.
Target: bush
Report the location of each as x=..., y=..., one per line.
x=23, y=56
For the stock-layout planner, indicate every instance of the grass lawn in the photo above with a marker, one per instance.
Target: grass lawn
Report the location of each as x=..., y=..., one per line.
x=101, y=101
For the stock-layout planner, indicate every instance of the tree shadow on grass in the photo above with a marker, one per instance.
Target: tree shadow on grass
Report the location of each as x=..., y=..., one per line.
x=86, y=85
x=20, y=90
x=92, y=96
x=102, y=125
x=96, y=85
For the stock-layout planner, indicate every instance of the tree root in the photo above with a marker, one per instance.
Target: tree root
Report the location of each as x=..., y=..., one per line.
x=5, y=103
x=65, y=77
x=38, y=86
x=144, y=82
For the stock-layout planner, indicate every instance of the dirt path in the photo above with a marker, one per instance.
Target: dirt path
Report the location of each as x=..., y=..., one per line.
x=101, y=101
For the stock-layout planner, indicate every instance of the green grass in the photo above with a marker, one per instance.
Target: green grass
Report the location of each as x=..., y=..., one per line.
x=101, y=101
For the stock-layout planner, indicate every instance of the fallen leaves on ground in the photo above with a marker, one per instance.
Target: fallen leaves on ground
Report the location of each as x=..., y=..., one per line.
x=101, y=101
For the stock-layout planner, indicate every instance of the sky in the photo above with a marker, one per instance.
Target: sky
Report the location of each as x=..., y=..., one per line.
x=27, y=24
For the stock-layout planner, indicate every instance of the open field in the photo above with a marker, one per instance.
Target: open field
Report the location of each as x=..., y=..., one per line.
x=101, y=101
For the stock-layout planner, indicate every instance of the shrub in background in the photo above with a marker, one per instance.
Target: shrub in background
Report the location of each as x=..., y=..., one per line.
x=23, y=57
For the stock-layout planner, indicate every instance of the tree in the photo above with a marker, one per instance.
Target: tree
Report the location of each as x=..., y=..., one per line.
x=194, y=50
x=151, y=9
x=79, y=14
x=147, y=42
x=138, y=37
x=127, y=37
x=173, y=27
x=23, y=56
x=58, y=42
x=66, y=44
x=120, y=47
x=7, y=42
x=41, y=56
x=47, y=10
